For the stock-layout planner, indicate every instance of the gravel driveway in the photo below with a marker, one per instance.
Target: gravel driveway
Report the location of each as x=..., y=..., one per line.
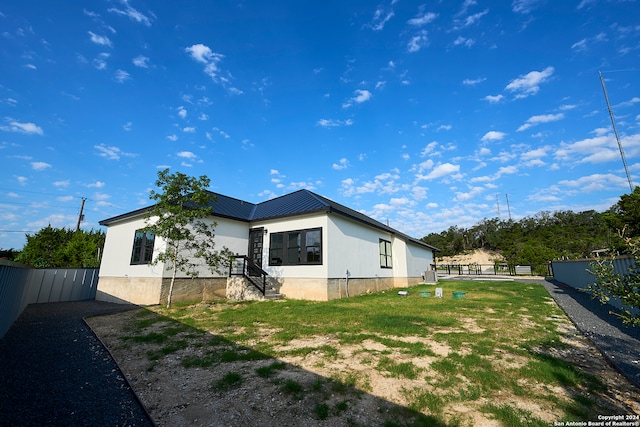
x=55, y=372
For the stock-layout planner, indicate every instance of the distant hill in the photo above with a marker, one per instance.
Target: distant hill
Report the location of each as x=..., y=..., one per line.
x=478, y=256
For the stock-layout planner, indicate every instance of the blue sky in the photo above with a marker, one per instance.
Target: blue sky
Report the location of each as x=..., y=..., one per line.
x=424, y=115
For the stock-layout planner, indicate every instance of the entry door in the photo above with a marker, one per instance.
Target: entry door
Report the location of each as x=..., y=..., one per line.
x=256, y=236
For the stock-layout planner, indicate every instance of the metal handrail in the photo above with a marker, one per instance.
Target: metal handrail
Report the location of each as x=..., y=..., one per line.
x=249, y=269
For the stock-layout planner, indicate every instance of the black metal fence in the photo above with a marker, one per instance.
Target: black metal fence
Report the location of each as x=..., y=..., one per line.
x=498, y=269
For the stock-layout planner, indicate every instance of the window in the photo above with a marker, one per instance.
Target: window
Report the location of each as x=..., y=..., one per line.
x=385, y=254
x=296, y=247
x=142, y=252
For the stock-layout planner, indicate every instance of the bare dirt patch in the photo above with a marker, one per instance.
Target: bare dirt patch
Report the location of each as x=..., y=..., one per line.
x=329, y=384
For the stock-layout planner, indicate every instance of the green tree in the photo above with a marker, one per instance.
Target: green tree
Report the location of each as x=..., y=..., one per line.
x=179, y=217
x=62, y=248
x=624, y=286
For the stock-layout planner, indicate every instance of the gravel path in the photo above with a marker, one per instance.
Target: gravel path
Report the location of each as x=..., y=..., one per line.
x=55, y=372
x=619, y=343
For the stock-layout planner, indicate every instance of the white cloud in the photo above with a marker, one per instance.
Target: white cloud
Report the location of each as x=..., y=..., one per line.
x=121, y=76
x=473, y=82
x=141, y=61
x=101, y=40
x=111, y=152
x=494, y=98
x=417, y=42
x=529, y=84
x=28, y=128
x=439, y=171
x=173, y=137
x=38, y=166
x=463, y=41
x=596, y=182
x=203, y=54
x=342, y=164
x=524, y=6
x=493, y=136
x=182, y=112
x=329, y=123
x=132, y=13
x=97, y=184
x=62, y=184
x=127, y=126
x=187, y=155
x=380, y=18
x=544, y=118
x=189, y=129
x=422, y=19
x=360, y=96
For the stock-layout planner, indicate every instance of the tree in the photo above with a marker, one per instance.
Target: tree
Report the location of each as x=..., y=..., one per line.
x=179, y=217
x=63, y=248
x=626, y=287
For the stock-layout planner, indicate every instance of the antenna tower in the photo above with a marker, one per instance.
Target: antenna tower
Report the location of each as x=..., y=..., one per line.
x=615, y=131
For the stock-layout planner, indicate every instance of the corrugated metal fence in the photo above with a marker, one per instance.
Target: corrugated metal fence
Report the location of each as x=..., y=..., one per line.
x=21, y=286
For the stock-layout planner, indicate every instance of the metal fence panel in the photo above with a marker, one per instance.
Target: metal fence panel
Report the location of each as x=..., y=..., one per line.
x=12, y=284
x=20, y=286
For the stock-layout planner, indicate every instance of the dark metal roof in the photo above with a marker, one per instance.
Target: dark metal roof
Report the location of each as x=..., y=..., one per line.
x=293, y=204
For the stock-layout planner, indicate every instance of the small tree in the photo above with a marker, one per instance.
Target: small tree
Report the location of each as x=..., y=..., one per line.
x=178, y=217
x=626, y=287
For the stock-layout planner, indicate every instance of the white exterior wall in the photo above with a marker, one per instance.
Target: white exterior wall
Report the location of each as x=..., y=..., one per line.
x=228, y=233
x=116, y=258
x=116, y=255
x=292, y=224
x=355, y=247
x=419, y=260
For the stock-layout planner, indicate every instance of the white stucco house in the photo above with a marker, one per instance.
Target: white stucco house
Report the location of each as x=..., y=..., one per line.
x=308, y=246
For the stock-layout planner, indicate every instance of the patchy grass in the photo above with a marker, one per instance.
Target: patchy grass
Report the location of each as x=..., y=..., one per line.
x=503, y=343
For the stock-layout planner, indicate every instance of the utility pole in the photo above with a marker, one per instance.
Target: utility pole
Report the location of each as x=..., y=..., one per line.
x=81, y=215
x=615, y=131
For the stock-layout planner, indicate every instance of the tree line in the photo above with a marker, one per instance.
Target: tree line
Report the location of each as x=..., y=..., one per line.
x=545, y=236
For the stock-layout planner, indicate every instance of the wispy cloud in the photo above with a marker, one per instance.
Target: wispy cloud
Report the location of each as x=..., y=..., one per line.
x=101, y=40
x=112, y=152
x=28, y=128
x=524, y=6
x=418, y=41
x=121, y=76
x=329, y=123
x=422, y=18
x=204, y=55
x=380, y=17
x=529, y=84
x=132, y=13
x=473, y=82
x=544, y=118
x=141, y=61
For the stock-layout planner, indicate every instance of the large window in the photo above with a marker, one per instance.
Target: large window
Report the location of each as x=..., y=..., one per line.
x=142, y=252
x=385, y=254
x=296, y=247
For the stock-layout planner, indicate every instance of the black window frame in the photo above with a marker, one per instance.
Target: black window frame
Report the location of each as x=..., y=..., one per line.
x=386, y=257
x=142, y=250
x=291, y=247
